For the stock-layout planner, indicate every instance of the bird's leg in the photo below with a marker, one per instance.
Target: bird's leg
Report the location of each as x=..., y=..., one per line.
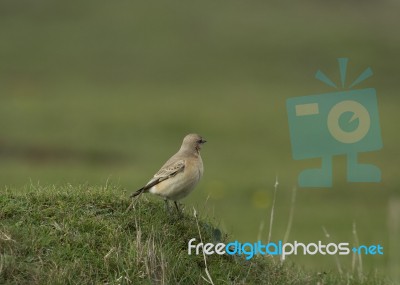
x=177, y=208
x=167, y=205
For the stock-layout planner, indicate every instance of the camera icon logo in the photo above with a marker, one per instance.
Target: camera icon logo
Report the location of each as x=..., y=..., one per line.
x=341, y=122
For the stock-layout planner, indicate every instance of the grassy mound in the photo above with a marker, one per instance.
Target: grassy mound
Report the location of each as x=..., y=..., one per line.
x=85, y=235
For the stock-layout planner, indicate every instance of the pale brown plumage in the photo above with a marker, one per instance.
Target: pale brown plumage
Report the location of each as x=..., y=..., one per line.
x=180, y=174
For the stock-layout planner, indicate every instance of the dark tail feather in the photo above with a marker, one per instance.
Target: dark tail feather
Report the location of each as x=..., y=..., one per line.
x=138, y=192
x=147, y=187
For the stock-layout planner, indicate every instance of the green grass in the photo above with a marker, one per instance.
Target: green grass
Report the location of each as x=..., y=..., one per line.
x=85, y=235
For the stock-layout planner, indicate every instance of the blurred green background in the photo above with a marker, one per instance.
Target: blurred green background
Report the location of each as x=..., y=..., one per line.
x=97, y=91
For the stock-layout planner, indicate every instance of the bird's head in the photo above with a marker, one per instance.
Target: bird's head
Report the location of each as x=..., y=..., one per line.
x=192, y=142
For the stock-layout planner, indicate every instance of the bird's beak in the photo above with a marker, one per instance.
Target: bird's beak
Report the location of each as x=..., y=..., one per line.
x=203, y=141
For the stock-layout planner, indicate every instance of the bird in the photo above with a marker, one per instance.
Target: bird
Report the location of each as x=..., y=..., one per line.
x=180, y=174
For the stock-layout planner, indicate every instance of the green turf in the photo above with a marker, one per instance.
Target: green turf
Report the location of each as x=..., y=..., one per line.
x=89, y=235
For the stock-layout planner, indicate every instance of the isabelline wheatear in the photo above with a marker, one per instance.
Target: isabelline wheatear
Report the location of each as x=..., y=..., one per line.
x=180, y=174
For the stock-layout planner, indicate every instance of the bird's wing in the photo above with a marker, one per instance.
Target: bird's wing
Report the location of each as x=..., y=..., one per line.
x=166, y=172
x=170, y=170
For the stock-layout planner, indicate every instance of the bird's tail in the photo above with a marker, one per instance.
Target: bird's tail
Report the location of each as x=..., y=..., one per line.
x=138, y=192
